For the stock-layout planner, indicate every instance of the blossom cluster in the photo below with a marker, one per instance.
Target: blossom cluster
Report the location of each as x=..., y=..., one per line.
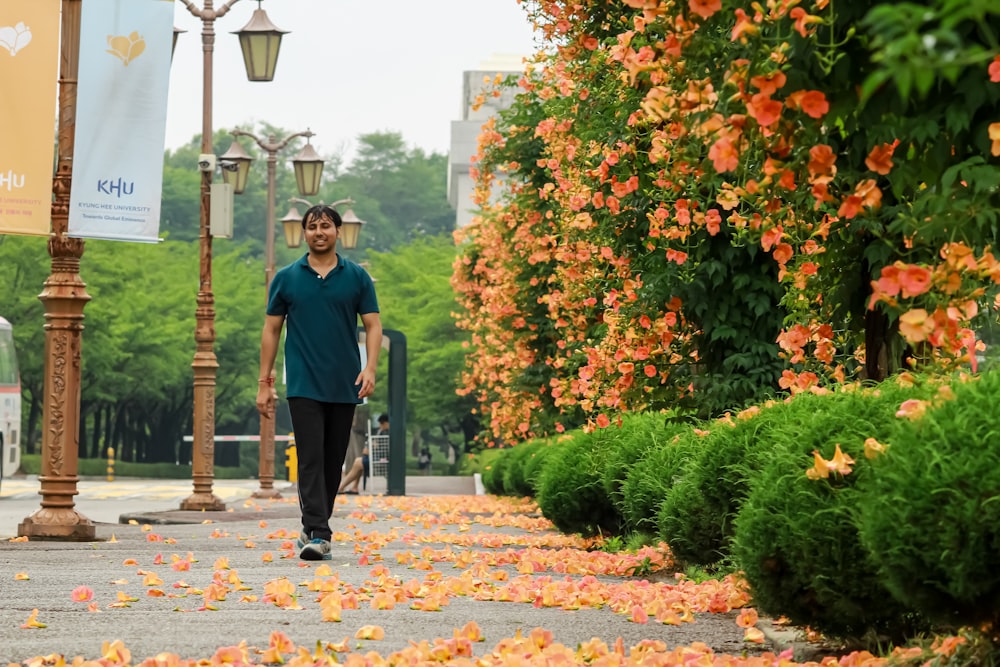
x=653, y=135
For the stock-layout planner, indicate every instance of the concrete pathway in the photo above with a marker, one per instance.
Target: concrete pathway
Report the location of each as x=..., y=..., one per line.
x=418, y=568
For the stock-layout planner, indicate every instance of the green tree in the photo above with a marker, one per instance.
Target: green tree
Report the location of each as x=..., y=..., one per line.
x=138, y=340
x=139, y=345
x=415, y=297
x=400, y=192
x=24, y=266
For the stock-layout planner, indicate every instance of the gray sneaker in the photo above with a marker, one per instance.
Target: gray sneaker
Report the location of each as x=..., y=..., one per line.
x=316, y=549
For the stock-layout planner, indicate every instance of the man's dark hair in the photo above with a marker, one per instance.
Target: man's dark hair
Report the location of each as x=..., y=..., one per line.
x=322, y=211
x=383, y=418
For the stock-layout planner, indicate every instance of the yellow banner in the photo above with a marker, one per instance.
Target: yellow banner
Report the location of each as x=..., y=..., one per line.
x=29, y=70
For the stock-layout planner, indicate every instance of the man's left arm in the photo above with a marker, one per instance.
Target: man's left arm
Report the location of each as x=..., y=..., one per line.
x=373, y=345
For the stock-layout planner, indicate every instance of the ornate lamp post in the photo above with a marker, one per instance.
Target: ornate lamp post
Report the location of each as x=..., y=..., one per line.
x=64, y=296
x=260, y=41
x=308, y=173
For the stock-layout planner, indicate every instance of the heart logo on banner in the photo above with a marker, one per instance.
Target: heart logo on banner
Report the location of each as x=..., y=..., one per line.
x=127, y=48
x=16, y=38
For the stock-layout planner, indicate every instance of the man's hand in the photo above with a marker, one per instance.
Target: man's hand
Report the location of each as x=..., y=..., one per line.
x=366, y=378
x=266, y=398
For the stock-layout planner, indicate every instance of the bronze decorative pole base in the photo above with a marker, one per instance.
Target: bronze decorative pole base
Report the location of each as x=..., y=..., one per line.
x=203, y=448
x=64, y=297
x=202, y=502
x=61, y=523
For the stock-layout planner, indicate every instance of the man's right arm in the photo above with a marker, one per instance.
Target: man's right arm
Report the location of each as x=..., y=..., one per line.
x=269, y=338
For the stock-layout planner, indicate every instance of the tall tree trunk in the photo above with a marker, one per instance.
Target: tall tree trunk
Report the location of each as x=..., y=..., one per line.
x=877, y=360
x=28, y=434
x=470, y=427
x=140, y=432
x=417, y=441
x=128, y=437
x=118, y=434
x=162, y=439
x=108, y=425
x=95, y=434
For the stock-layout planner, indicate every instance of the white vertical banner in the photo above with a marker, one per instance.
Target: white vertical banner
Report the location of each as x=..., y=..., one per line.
x=121, y=116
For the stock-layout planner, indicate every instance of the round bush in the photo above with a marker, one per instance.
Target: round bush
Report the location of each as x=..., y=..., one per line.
x=535, y=463
x=930, y=512
x=493, y=472
x=626, y=444
x=570, y=493
x=696, y=516
x=796, y=538
x=514, y=482
x=650, y=478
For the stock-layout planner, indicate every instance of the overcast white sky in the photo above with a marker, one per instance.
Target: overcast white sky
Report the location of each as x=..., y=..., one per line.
x=346, y=67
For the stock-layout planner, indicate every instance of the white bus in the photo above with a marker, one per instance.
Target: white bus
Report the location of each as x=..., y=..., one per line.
x=10, y=403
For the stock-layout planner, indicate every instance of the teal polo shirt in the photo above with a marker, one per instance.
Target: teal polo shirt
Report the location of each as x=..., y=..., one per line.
x=322, y=360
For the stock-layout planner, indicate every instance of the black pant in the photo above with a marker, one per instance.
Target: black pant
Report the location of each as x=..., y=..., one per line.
x=322, y=433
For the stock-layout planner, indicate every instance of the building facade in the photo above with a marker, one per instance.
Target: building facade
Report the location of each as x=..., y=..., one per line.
x=465, y=132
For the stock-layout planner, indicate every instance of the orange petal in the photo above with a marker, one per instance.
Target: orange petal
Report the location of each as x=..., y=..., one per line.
x=32, y=621
x=370, y=632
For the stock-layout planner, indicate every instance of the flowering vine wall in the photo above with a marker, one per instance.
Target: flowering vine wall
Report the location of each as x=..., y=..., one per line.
x=703, y=201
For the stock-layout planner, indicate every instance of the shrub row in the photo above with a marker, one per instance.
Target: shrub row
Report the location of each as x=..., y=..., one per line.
x=895, y=529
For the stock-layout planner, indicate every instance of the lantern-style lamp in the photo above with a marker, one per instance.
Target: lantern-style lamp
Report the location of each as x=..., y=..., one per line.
x=292, y=224
x=236, y=166
x=260, y=40
x=308, y=170
x=350, y=229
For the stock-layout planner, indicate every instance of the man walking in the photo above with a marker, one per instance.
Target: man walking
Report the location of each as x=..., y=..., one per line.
x=320, y=297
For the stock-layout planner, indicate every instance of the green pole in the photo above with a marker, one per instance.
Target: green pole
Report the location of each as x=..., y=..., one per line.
x=396, y=482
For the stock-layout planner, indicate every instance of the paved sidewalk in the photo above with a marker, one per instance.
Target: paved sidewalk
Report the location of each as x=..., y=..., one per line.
x=189, y=589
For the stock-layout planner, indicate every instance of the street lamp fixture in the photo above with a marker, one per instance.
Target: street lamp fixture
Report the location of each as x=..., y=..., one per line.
x=308, y=170
x=292, y=224
x=350, y=229
x=260, y=40
x=236, y=166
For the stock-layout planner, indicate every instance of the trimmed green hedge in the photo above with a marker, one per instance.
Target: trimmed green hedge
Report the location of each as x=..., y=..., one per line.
x=570, y=492
x=878, y=552
x=697, y=513
x=493, y=471
x=31, y=464
x=535, y=462
x=514, y=481
x=930, y=515
x=796, y=538
x=627, y=444
x=651, y=477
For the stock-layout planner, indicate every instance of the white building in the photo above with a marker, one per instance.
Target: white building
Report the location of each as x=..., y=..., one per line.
x=465, y=132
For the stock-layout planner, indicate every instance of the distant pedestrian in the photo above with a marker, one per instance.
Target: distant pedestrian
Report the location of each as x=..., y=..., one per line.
x=383, y=425
x=424, y=459
x=357, y=474
x=320, y=296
